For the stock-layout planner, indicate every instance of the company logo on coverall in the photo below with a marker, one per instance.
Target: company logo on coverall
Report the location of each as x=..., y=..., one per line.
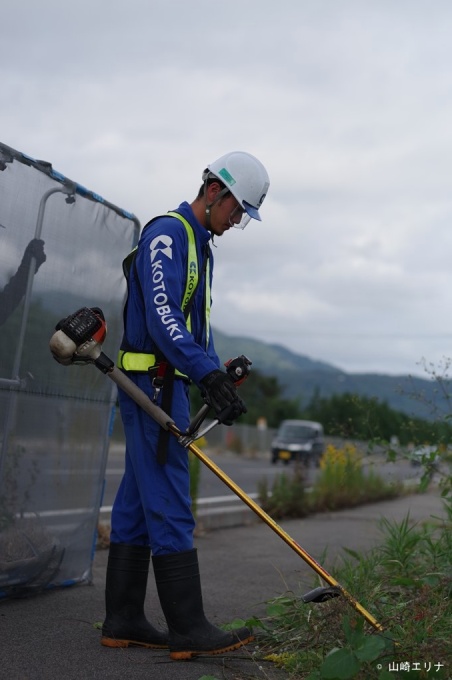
x=162, y=245
x=192, y=274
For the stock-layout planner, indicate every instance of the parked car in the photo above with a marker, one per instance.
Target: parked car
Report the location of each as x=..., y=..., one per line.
x=298, y=440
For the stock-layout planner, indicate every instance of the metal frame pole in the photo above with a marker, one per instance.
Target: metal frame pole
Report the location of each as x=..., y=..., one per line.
x=16, y=383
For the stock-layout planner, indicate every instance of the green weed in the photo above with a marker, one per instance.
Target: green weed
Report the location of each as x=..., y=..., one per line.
x=341, y=483
x=288, y=497
x=407, y=584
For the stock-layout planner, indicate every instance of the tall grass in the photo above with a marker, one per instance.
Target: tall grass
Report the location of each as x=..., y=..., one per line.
x=341, y=483
x=406, y=582
x=288, y=497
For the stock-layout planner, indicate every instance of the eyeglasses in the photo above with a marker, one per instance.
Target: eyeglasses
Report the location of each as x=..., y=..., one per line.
x=239, y=218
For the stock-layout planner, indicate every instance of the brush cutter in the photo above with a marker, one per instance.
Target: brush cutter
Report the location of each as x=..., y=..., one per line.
x=78, y=340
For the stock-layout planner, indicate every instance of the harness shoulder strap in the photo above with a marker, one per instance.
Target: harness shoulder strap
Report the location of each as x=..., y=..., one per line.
x=192, y=264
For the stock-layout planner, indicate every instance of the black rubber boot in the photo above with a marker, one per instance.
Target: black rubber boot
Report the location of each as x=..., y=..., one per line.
x=179, y=589
x=125, y=591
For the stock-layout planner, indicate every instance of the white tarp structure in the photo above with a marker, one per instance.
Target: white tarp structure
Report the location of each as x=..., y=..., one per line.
x=61, y=248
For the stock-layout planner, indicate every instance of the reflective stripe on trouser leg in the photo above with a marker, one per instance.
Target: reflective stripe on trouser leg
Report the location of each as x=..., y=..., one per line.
x=153, y=504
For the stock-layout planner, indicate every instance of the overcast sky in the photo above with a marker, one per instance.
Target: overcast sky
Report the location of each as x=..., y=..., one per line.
x=348, y=103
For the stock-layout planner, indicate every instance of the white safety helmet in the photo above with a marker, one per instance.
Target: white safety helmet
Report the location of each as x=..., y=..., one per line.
x=245, y=177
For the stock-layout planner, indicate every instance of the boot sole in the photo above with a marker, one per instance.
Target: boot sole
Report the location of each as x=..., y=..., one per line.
x=113, y=642
x=186, y=655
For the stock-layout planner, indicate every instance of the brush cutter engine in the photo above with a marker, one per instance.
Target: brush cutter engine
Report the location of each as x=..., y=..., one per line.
x=79, y=337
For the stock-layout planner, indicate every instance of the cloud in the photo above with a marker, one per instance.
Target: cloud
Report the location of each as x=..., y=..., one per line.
x=348, y=105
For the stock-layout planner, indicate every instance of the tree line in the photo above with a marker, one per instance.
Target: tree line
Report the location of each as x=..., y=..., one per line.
x=346, y=415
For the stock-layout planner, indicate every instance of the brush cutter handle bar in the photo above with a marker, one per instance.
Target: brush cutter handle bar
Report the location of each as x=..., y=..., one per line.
x=198, y=418
x=238, y=370
x=190, y=436
x=194, y=432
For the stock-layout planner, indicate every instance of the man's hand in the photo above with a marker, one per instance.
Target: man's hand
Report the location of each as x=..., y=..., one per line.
x=219, y=391
x=35, y=249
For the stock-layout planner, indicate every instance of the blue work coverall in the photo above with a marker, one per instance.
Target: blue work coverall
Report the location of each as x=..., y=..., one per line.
x=153, y=504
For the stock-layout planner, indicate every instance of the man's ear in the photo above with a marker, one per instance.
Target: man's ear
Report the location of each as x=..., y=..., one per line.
x=213, y=190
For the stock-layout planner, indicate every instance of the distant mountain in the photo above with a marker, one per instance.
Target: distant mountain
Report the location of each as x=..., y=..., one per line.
x=301, y=377
x=264, y=355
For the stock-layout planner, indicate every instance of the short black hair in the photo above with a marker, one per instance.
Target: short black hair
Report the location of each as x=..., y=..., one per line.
x=210, y=180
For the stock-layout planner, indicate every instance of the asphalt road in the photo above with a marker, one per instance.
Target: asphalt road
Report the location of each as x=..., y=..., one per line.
x=53, y=636
x=246, y=472
x=65, y=496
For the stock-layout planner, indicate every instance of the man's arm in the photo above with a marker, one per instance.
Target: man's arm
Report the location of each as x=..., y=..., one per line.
x=161, y=265
x=15, y=289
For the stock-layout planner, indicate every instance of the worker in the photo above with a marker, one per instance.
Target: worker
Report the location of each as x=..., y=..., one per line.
x=167, y=344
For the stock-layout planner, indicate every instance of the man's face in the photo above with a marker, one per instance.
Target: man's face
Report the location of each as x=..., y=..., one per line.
x=225, y=214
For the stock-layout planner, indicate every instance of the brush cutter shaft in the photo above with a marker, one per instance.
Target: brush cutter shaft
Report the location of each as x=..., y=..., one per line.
x=162, y=418
x=282, y=534
x=165, y=421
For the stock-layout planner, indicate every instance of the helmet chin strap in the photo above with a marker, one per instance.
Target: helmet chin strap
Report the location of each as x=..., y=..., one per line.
x=208, y=220
x=218, y=197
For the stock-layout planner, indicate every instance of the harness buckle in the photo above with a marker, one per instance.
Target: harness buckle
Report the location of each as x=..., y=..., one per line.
x=157, y=374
